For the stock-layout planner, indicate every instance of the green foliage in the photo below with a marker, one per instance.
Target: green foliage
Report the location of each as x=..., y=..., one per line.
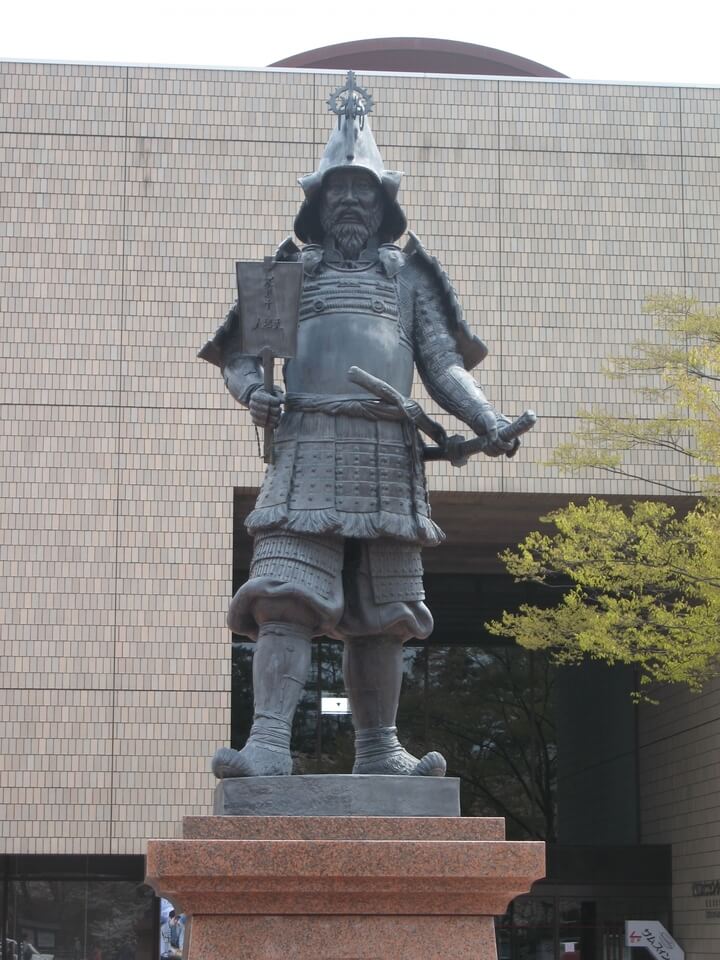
x=682, y=372
x=641, y=585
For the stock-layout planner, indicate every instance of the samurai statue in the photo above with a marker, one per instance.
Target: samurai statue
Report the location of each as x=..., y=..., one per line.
x=343, y=511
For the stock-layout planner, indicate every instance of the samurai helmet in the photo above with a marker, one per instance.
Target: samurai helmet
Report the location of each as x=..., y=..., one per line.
x=351, y=146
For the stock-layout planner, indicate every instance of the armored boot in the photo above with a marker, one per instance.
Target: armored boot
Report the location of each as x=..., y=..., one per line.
x=280, y=666
x=372, y=667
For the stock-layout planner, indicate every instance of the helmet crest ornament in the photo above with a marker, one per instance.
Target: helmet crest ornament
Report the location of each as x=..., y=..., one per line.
x=352, y=102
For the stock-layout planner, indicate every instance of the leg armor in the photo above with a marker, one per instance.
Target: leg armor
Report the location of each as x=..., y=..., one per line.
x=372, y=668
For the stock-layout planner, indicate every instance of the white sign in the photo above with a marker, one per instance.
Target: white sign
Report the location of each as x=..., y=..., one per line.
x=652, y=935
x=336, y=705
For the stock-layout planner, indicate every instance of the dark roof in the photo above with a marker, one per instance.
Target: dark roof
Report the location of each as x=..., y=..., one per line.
x=418, y=55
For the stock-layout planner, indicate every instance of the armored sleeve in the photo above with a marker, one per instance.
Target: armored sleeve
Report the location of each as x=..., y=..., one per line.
x=242, y=376
x=438, y=357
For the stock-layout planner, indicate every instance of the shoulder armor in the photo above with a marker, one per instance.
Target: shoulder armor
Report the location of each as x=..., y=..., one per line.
x=311, y=256
x=213, y=351
x=288, y=250
x=392, y=258
x=471, y=348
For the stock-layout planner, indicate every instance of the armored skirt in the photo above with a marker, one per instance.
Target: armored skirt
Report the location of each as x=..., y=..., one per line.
x=346, y=466
x=339, y=523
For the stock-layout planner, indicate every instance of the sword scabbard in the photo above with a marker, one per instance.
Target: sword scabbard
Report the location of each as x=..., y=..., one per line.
x=268, y=362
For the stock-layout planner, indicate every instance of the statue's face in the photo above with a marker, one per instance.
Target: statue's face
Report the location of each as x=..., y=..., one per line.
x=351, y=209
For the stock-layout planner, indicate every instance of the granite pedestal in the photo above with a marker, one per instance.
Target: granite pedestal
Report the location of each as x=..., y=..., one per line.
x=341, y=887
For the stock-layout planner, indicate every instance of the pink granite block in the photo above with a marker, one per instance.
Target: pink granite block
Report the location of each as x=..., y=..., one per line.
x=342, y=938
x=350, y=876
x=342, y=888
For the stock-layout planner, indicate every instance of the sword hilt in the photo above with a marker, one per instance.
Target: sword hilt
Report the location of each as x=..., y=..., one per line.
x=511, y=431
x=458, y=449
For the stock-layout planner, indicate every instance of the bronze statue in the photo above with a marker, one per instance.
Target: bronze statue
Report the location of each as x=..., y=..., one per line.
x=343, y=512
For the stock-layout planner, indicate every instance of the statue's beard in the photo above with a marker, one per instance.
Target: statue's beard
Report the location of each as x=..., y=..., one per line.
x=351, y=236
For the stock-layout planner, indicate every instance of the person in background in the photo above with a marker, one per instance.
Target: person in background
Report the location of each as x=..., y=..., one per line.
x=27, y=950
x=11, y=948
x=172, y=935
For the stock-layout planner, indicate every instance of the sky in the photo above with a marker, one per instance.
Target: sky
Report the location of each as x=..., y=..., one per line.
x=613, y=40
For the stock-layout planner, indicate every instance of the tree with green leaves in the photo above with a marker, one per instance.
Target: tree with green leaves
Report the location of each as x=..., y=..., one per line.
x=639, y=585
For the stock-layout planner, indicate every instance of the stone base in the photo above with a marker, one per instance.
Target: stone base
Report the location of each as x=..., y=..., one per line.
x=338, y=795
x=342, y=888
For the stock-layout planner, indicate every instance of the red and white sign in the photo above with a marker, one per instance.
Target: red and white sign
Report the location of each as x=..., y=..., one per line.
x=652, y=935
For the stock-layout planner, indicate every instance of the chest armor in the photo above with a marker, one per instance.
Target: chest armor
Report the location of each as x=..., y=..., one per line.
x=349, y=317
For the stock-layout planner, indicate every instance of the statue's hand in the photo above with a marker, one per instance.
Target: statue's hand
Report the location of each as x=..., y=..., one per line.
x=486, y=424
x=266, y=408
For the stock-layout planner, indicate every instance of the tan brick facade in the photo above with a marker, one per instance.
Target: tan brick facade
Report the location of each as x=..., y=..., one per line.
x=127, y=195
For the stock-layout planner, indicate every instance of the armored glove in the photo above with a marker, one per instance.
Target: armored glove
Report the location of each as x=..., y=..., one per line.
x=486, y=423
x=266, y=408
